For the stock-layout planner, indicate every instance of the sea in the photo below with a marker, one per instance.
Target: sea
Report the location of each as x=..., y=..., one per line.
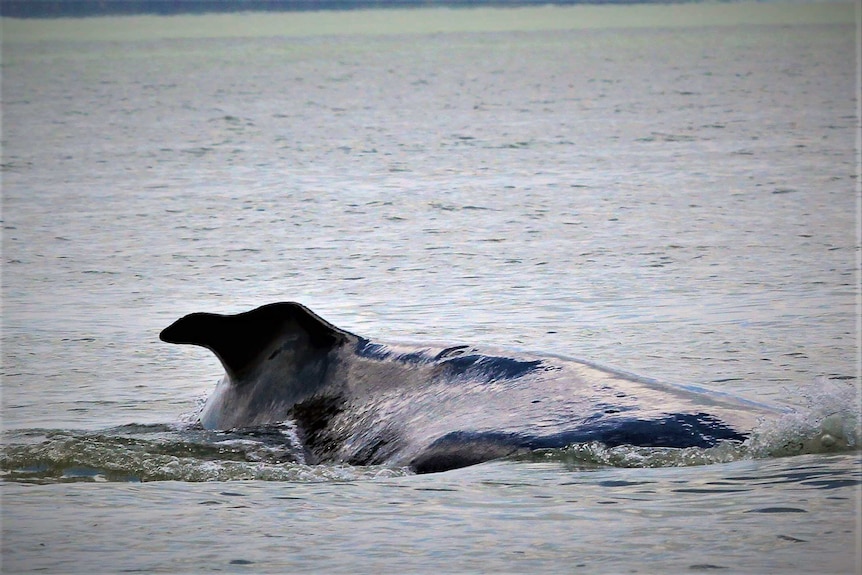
x=671, y=190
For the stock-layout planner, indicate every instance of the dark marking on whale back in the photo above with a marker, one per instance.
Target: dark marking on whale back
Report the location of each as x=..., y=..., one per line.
x=377, y=449
x=366, y=348
x=463, y=448
x=677, y=430
x=451, y=351
x=490, y=367
x=313, y=417
x=454, y=362
x=317, y=420
x=238, y=339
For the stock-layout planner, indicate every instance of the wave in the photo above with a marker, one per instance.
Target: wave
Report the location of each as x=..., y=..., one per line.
x=165, y=453
x=829, y=423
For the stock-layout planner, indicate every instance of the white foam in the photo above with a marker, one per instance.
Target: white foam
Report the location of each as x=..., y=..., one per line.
x=290, y=431
x=191, y=418
x=829, y=422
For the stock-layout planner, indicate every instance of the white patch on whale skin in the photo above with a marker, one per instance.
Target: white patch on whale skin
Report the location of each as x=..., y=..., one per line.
x=210, y=414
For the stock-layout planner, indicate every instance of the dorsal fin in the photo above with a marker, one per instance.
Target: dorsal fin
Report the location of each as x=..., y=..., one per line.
x=237, y=340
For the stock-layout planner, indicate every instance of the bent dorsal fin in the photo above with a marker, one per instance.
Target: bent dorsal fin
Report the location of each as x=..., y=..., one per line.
x=237, y=340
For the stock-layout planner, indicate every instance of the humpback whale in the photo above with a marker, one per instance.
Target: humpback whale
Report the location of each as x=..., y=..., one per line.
x=435, y=408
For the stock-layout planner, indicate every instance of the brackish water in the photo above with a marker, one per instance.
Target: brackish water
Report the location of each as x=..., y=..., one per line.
x=671, y=195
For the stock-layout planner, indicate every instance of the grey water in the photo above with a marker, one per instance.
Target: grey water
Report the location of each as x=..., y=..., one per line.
x=672, y=191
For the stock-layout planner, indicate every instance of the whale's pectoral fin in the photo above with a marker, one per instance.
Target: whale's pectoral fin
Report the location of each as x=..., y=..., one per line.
x=239, y=340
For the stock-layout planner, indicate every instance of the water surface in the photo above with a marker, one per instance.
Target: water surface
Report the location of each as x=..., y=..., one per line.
x=677, y=201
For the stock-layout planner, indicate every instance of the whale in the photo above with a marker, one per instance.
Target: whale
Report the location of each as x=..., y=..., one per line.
x=431, y=408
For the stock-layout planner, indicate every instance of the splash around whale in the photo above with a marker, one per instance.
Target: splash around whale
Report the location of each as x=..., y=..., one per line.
x=431, y=408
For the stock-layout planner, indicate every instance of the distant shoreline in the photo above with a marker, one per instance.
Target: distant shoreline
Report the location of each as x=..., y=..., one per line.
x=90, y=8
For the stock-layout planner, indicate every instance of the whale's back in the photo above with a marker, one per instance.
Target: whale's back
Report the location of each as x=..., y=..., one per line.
x=436, y=408
x=447, y=407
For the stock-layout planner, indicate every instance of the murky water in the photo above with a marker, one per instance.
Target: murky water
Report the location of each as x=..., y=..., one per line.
x=677, y=202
